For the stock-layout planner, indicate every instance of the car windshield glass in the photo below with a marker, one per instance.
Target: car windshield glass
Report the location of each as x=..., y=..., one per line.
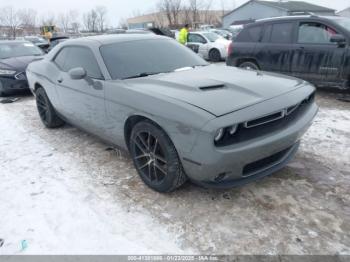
x=133, y=59
x=212, y=37
x=344, y=22
x=8, y=50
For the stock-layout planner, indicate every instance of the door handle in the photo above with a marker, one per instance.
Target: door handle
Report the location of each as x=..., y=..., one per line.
x=60, y=80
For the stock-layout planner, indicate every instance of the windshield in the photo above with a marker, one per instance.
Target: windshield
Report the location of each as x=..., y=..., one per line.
x=212, y=37
x=8, y=50
x=344, y=22
x=142, y=58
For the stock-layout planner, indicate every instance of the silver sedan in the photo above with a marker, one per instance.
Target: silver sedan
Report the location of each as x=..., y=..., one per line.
x=180, y=117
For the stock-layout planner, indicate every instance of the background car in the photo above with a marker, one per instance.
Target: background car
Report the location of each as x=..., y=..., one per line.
x=209, y=45
x=177, y=115
x=15, y=56
x=222, y=32
x=309, y=47
x=40, y=42
x=234, y=30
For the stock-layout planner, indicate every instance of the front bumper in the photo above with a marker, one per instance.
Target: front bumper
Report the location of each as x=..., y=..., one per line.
x=245, y=161
x=277, y=162
x=13, y=83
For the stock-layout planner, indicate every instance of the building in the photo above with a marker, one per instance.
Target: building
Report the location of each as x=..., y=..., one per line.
x=256, y=9
x=160, y=19
x=345, y=12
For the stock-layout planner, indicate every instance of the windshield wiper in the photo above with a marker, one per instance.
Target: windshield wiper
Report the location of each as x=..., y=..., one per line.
x=145, y=74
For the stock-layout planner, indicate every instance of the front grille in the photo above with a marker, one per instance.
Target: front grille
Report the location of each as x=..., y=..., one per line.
x=263, y=164
x=264, y=120
x=267, y=124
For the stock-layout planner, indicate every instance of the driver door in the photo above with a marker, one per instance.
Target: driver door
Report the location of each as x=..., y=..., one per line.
x=81, y=101
x=198, y=44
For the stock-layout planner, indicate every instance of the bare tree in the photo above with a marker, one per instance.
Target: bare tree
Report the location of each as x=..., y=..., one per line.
x=123, y=23
x=10, y=18
x=172, y=10
x=208, y=17
x=68, y=19
x=28, y=19
x=90, y=21
x=101, y=12
x=49, y=19
x=75, y=26
x=195, y=6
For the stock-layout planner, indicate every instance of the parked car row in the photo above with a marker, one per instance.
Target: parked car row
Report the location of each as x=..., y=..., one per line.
x=180, y=117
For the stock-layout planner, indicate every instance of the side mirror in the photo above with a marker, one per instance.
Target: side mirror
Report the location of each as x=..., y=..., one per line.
x=338, y=39
x=77, y=73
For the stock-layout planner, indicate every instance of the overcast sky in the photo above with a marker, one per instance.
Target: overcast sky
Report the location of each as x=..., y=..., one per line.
x=125, y=8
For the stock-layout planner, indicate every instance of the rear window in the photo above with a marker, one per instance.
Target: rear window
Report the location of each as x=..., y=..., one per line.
x=250, y=34
x=282, y=33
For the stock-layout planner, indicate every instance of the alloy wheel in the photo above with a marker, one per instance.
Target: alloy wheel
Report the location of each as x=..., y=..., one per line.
x=149, y=157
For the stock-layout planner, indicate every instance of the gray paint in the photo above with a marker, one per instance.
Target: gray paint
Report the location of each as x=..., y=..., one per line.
x=174, y=101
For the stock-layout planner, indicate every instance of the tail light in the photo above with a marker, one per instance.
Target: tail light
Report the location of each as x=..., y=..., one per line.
x=230, y=49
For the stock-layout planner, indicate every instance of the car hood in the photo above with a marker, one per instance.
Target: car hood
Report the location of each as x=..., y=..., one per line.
x=18, y=63
x=219, y=90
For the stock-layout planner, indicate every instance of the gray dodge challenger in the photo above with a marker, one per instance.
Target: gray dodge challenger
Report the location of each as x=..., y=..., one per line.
x=178, y=116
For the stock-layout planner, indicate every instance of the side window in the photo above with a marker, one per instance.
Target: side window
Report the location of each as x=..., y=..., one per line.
x=250, y=34
x=60, y=59
x=83, y=57
x=282, y=33
x=194, y=38
x=315, y=33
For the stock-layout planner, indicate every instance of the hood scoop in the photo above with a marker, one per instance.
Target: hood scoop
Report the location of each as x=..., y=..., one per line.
x=212, y=87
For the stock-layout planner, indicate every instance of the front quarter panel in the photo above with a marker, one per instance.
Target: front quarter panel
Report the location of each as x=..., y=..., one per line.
x=180, y=121
x=44, y=73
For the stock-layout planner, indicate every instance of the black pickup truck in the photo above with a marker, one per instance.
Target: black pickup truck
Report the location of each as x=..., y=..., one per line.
x=309, y=47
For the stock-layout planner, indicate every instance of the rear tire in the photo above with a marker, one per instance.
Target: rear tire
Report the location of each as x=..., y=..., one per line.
x=214, y=55
x=155, y=158
x=249, y=66
x=46, y=111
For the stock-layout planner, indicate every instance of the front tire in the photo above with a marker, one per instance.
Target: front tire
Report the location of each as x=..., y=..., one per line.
x=214, y=55
x=155, y=158
x=46, y=111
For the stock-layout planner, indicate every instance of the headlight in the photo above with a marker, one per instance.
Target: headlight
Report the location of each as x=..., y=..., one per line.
x=225, y=133
x=7, y=72
x=219, y=134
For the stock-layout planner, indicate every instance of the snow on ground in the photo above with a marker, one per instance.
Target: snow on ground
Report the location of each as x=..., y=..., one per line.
x=63, y=193
x=47, y=200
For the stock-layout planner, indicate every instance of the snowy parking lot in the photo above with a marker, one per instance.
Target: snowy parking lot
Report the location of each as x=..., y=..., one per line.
x=65, y=192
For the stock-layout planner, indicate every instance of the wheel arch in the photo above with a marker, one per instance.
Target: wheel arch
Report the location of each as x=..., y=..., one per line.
x=37, y=85
x=133, y=120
